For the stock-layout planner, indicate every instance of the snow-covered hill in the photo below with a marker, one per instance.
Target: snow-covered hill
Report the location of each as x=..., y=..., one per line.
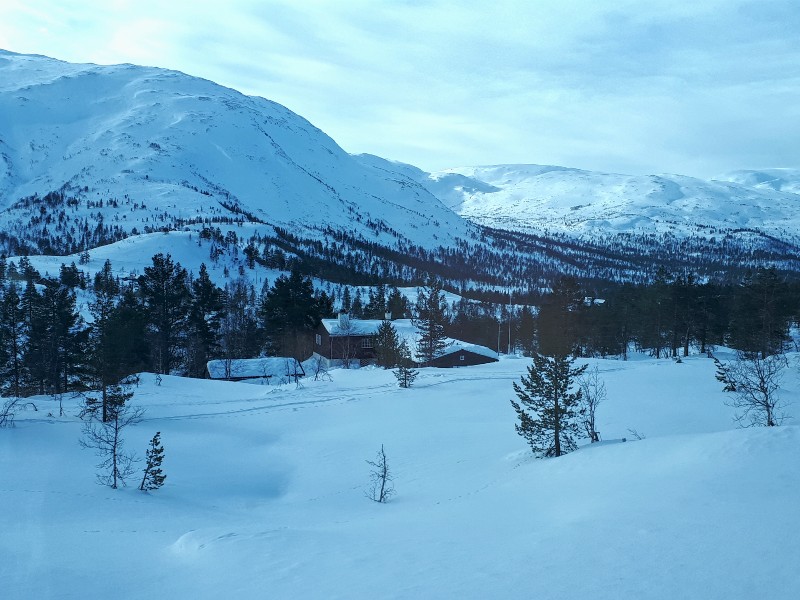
x=264, y=496
x=558, y=199
x=781, y=180
x=171, y=148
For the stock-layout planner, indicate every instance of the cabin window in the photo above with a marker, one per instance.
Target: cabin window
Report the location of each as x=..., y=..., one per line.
x=461, y=357
x=366, y=342
x=319, y=339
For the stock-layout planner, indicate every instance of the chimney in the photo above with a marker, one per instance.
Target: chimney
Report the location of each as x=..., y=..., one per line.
x=344, y=320
x=387, y=316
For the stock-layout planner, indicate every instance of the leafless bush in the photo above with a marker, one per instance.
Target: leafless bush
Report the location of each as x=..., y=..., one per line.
x=754, y=383
x=10, y=408
x=105, y=437
x=593, y=392
x=381, y=487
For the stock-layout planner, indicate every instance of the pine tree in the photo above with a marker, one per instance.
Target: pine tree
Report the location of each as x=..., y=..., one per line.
x=106, y=294
x=548, y=409
x=397, y=304
x=291, y=312
x=63, y=346
x=164, y=288
x=204, y=323
x=761, y=314
x=153, y=475
x=240, y=336
x=558, y=319
x=14, y=339
x=347, y=302
x=387, y=346
x=357, y=308
x=404, y=373
x=130, y=348
x=430, y=318
x=376, y=305
x=34, y=359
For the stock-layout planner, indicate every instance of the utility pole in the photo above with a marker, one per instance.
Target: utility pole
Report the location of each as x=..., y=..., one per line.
x=508, y=311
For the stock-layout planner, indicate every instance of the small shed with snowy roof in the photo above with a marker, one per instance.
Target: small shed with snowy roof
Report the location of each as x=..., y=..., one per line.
x=460, y=354
x=263, y=370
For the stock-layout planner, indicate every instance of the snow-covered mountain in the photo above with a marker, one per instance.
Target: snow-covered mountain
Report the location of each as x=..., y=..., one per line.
x=186, y=148
x=100, y=155
x=585, y=203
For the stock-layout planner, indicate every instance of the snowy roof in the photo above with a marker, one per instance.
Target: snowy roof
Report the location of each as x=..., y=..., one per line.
x=354, y=326
x=406, y=330
x=458, y=346
x=251, y=367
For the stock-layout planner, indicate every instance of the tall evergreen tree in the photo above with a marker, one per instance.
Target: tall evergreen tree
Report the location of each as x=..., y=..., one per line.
x=64, y=338
x=104, y=369
x=240, y=335
x=357, y=308
x=290, y=312
x=347, y=301
x=130, y=349
x=36, y=347
x=164, y=288
x=397, y=304
x=559, y=317
x=548, y=408
x=14, y=340
x=204, y=323
x=526, y=331
x=430, y=317
x=387, y=346
x=376, y=305
x=761, y=314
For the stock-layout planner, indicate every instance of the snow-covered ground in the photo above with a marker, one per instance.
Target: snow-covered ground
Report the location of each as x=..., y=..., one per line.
x=265, y=486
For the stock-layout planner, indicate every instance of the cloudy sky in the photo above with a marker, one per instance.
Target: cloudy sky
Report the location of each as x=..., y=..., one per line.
x=663, y=86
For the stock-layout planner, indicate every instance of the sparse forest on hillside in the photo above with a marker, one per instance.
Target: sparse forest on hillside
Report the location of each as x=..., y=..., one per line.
x=167, y=322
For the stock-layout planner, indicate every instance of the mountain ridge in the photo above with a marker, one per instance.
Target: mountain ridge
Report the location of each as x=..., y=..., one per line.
x=593, y=204
x=92, y=155
x=157, y=134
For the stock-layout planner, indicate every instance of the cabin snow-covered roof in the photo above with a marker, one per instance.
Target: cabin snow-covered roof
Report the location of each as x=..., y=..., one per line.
x=252, y=367
x=354, y=327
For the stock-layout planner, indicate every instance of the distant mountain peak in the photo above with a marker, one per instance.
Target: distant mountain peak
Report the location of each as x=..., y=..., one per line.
x=594, y=204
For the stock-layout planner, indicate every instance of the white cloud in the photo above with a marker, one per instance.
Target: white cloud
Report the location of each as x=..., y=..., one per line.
x=675, y=86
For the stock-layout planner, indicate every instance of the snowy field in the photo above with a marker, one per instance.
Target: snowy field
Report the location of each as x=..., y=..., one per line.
x=265, y=494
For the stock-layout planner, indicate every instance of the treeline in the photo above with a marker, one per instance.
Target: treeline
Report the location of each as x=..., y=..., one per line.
x=74, y=333
x=671, y=317
x=163, y=321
